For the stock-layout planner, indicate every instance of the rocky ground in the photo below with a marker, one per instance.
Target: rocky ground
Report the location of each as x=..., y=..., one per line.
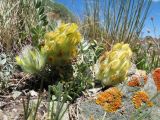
x=84, y=108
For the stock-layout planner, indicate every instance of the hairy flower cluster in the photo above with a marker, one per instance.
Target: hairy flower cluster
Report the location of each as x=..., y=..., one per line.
x=114, y=65
x=31, y=60
x=156, y=77
x=61, y=44
x=141, y=97
x=110, y=100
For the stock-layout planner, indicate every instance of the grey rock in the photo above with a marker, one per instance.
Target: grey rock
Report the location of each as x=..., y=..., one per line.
x=89, y=108
x=150, y=86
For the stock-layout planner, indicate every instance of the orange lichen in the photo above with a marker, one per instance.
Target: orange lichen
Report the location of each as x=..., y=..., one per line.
x=156, y=77
x=139, y=79
x=134, y=81
x=150, y=104
x=145, y=79
x=139, y=98
x=110, y=100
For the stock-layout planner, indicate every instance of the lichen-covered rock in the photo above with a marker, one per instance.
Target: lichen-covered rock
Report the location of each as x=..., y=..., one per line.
x=150, y=86
x=87, y=108
x=110, y=99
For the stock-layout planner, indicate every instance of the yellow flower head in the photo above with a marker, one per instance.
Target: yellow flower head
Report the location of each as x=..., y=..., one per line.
x=141, y=97
x=110, y=100
x=61, y=44
x=114, y=65
x=68, y=28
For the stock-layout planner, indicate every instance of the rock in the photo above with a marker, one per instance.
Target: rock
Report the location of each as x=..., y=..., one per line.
x=155, y=113
x=92, y=92
x=150, y=86
x=3, y=116
x=132, y=70
x=33, y=93
x=16, y=94
x=1, y=113
x=89, y=108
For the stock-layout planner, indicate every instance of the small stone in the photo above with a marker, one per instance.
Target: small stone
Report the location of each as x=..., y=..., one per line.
x=16, y=94
x=3, y=116
x=14, y=110
x=33, y=93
